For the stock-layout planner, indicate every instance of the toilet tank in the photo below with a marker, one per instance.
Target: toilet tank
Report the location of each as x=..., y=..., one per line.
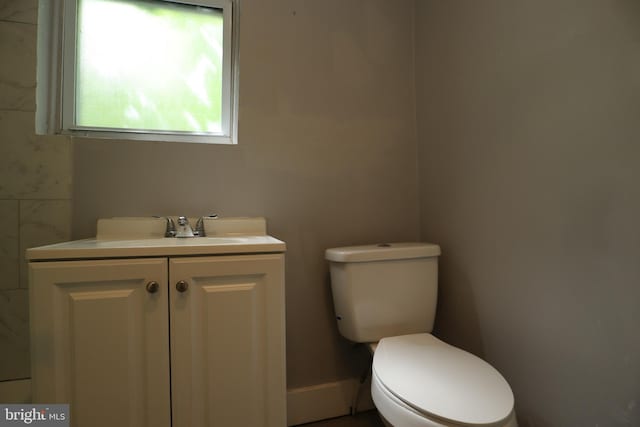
x=384, y=290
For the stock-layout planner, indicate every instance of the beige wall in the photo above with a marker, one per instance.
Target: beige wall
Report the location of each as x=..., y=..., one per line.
x=528, y=130
x=35, y=181
x=529, y=135
x=326, y=154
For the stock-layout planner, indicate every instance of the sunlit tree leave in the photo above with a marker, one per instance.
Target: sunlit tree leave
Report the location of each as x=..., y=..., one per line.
x=149, y=65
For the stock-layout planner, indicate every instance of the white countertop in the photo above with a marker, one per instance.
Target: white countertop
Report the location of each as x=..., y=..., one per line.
x=163, y=246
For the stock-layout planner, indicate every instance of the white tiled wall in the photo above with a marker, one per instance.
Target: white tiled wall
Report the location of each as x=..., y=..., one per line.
x=35, y=181
x=32, y=167
x=19, y=11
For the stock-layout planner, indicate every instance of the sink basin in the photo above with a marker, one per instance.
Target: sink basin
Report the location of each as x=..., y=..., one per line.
x=136, y=237
x=126, y=228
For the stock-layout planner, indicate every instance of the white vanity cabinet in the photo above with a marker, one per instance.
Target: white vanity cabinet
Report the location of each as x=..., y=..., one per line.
x=194, y=340
x=100, y=340
x=227, y=341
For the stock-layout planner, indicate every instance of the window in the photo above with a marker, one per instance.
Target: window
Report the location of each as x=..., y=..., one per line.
x=138, y=69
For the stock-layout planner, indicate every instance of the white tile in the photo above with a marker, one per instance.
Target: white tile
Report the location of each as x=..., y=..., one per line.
x=19, y=11
x=32, y=166
x=42, y=222
x=14, y=334
x=9, y=244
x=18, y=70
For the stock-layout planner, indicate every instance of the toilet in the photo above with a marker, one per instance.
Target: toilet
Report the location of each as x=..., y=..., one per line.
x=385, y=295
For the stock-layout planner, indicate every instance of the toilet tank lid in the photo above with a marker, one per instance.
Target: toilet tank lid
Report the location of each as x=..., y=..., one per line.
x=382, y=252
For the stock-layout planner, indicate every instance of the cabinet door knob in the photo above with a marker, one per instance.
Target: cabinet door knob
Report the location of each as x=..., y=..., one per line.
x=152, y=287
x=182, y=286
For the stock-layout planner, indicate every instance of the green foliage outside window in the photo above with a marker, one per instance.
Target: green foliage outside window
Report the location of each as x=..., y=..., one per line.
x=149, y=65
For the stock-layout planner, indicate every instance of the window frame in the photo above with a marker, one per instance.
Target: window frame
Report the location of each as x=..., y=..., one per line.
x=57, y=37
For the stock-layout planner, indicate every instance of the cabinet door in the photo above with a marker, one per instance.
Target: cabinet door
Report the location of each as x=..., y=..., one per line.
x=100, y=340
x=227, y=341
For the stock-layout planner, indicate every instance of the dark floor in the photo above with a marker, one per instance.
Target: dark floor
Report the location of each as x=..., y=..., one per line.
x=363, y=419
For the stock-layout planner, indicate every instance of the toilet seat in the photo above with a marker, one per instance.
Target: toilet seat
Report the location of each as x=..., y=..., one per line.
x=428, y=383
x=395, y=411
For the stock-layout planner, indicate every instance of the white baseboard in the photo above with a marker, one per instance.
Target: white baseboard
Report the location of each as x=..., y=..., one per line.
x=18, y=391
x=322, y=401
x=304, y=404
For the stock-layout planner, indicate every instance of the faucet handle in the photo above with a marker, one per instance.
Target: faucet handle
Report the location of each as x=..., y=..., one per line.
x=170, y=231
x=199, y=231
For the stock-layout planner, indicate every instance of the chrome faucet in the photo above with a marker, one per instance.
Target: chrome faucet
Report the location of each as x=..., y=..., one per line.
x=184, y=228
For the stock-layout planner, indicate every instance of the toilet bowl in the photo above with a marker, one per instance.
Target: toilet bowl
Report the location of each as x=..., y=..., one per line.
x=421, y=381
x=387, y=293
